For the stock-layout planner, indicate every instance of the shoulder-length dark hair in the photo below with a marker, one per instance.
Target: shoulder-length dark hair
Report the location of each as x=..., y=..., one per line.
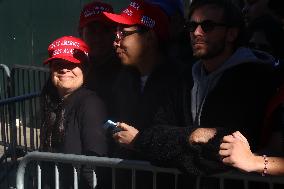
x=52, y=106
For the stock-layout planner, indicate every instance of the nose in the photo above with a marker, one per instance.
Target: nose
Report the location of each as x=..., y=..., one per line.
x=198, y=31
x=116, y=42
x=63, y=70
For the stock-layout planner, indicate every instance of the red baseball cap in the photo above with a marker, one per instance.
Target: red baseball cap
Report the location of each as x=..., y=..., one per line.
x=142, y=13
x=93, y=12
x=68, y=48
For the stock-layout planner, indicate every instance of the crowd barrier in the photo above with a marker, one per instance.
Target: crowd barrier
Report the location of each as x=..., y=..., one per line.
x=4, y=81
x=224, y=180
x=20, y=116
x=19, y=108
x=27, y=79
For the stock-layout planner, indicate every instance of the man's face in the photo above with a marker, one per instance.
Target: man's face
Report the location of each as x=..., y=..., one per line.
x=211, y=42
x=99, y=37
x=130, y=44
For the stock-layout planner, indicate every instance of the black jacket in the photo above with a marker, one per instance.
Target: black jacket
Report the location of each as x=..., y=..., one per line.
x=138, y=107
x=82, y=115
x=237, y=102
x=101, y=78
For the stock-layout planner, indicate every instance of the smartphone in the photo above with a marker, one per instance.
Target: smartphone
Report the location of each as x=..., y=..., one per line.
x=111, y=127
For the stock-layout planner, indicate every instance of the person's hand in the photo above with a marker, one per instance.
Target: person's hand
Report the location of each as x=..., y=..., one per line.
x=202, y=135
x=127, y=136
x=235, y=151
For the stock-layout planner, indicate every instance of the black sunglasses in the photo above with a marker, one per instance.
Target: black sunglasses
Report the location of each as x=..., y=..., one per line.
x=121, y=34
x=206, y=25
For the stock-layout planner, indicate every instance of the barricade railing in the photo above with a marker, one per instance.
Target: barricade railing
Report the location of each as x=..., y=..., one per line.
x=27, y=79
x=248, y=181
x=4, y=81
x=19, y=117
x=19, y=121
x=19, y=107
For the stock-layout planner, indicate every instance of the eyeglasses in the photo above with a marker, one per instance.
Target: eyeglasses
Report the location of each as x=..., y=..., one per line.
x=206, y=25
x=121, y=34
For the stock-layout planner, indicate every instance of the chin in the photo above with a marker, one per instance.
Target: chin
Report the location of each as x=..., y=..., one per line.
x=201, y=52
x=125, y=61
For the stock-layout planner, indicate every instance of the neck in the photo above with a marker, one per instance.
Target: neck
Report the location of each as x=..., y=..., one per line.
x=212, y=64
x=148, y=63
x=65, y=93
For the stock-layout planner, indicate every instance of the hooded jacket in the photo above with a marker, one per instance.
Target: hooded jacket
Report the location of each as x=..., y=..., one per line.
x=204, y=83
x=232, y=98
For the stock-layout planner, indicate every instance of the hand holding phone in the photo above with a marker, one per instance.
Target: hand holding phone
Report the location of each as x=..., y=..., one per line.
x=111, y=127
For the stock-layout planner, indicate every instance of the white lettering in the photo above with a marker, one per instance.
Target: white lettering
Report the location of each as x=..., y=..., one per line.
x=95, y=11
x=147, y=21
x=135, y=5
x=128, y=12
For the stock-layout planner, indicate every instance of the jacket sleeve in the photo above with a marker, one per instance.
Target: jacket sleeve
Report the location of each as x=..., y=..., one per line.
x=166, y=142
x=93, y=139
x=92, y=118
x=165, y=145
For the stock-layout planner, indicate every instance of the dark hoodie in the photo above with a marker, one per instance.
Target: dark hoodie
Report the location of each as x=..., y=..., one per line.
x=235, y=98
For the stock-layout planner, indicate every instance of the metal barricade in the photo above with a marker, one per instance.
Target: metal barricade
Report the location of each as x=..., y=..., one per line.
x=19, y=109
x=79, y=160
x=19, y=114
x=19, y=120
x=19, y=134
x=27, y=79
x=4, y=81
x=248, y=181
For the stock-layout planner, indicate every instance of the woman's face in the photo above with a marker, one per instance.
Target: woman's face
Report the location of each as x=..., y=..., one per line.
x=66, y=76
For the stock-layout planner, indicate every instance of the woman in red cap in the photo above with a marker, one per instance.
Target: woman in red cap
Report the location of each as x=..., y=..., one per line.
x=73, y=115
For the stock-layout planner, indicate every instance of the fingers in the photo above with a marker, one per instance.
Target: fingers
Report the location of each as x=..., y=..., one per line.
x=123, y=126
x=239, y=135
x=229, y=138
x=225, y=153
x=116, y=136
x=225, y=146
x=227, y=160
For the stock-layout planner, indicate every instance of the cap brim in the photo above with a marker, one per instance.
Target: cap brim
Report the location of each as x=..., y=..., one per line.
x=69, y=59
x=117, y=18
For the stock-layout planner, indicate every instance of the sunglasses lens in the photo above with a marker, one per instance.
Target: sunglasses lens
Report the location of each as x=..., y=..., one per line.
x=207, y=26
x=191, y=26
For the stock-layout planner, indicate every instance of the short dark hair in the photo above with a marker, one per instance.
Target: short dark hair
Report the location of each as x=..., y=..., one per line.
x=232, y=15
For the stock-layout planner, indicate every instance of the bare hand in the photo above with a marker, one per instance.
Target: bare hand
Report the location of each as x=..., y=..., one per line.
x=127, y=136
x=235, y=151
x=202, y=135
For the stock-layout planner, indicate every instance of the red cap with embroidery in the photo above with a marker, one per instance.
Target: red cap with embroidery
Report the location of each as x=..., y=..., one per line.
x=68, y=48
x=93, y=12
x=145, y=14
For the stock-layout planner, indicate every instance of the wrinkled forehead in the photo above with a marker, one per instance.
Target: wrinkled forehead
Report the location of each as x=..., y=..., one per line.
x=207, y=12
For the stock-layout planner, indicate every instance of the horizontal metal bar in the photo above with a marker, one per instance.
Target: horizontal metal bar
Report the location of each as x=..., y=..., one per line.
x=96, y=161
x=18, y=98
x=115, y=163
